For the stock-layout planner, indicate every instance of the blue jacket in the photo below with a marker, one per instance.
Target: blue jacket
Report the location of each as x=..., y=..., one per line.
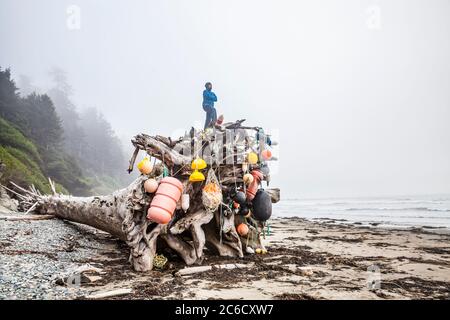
x=209, y=98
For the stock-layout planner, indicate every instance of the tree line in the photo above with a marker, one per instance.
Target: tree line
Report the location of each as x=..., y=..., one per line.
x=45, y=135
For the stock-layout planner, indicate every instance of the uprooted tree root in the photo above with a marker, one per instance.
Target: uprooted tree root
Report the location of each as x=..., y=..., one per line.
x=123, y=213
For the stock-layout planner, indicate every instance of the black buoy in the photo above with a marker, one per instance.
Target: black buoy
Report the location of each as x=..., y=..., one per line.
x=262, y=205
x=240, y=198
x=243, y=210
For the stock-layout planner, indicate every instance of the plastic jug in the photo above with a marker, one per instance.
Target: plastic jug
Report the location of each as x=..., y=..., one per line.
x=165, y=201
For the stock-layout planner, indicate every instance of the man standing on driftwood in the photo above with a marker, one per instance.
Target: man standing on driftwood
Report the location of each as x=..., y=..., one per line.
x=209, y=98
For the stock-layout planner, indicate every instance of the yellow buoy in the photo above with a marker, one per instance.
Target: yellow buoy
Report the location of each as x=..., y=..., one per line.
x=252, y=158
x=198, y=164
x=196, y=176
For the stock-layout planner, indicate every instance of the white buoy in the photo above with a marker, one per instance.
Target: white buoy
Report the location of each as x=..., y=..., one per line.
x=185, y=202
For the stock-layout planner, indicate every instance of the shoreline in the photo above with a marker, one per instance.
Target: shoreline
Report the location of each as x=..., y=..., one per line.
x=371, y=225
x=305, y=260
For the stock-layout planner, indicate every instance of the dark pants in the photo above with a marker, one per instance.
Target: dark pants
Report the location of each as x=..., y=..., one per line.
x=211, y=116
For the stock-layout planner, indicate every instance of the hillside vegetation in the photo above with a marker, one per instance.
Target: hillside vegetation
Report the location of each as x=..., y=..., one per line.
x=41, y=139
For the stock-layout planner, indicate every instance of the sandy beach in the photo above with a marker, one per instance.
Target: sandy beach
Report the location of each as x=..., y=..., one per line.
x=305, y=260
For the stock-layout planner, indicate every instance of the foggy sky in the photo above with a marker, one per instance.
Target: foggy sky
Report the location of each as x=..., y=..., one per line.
x=361, y=101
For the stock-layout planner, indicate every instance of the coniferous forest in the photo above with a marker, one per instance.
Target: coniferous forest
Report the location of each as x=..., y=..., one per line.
x=44, y=135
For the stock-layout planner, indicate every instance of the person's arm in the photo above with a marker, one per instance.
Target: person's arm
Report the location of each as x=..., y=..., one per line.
x=210, y=95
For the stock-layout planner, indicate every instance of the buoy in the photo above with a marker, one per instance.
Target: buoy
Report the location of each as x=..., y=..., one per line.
x=220, y=119
x=252, y=158
x=145, y=166
x=242, y=229
x=240, y=197
x=253, y=187
x=198, y=164
x=185, y=202
x=261, y=251
x=266, y=154
x=248, y=178
x=165, y=200
x=262, y=206
x=196, y=176
x=265, y=169
x=158, y=216
x=236, y=205
x=258, y=250
x=150, y=185
x=243, y=210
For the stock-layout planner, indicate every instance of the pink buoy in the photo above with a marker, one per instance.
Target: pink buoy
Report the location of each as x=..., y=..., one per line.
x=253, y=187
x=165, y=200
x=159, y=216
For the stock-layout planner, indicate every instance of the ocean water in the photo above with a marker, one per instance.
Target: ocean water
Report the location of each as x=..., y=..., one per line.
x=400, y=212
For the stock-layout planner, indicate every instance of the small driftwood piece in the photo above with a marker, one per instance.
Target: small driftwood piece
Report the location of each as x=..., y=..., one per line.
x=109, y=294
x=195, y=270
x=27, y=217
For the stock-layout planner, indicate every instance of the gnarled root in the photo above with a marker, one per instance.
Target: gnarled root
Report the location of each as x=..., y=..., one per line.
x=229, y=244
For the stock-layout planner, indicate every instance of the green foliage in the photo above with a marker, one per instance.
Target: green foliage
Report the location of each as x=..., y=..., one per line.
x=12, y=137
x=19, y=172
x=44, y=136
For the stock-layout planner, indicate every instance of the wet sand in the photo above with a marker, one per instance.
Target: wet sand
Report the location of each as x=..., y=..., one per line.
x=306, y=260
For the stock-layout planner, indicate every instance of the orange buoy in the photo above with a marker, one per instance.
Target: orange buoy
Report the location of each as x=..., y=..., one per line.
x=165, y=200
x=266, y=154
x=145, y=166
x=242, y=229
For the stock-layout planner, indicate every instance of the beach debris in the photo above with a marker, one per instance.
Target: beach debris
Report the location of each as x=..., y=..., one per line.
x=26, y=217
x=185, y=202
x=145, y=166
x=212, y=193
x=142, y=216
x=164, y=203
x=249, y=250
x=151, y=185
x=260, y=251
x=306, y=271
x=160, y=261
x=79, y=275
x=110, y=293
x=242, y=229
x=194, y=270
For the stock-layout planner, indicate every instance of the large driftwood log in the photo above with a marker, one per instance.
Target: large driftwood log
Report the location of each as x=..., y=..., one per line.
x=123, y=213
